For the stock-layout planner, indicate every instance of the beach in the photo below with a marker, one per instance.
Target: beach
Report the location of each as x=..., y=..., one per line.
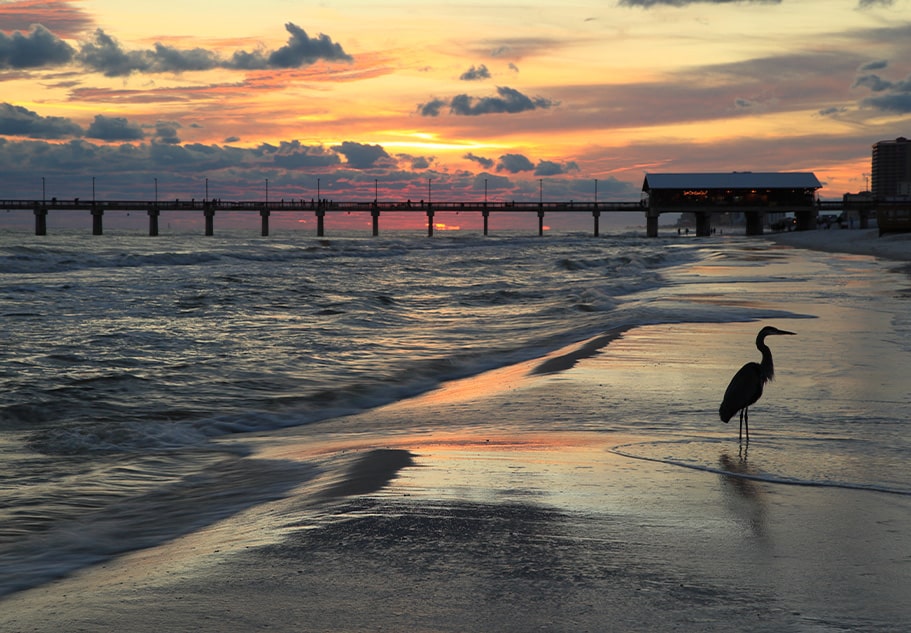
x=591, y=488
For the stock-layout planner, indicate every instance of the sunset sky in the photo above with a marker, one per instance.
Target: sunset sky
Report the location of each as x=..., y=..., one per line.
x=365, y=94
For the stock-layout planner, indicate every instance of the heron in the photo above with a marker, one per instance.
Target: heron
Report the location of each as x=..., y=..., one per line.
x=746, y=385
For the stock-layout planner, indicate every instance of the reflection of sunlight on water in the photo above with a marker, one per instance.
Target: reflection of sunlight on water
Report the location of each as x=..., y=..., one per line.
x=795, y=461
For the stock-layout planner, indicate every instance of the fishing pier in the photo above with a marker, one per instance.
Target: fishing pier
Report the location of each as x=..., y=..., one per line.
x=746, y=196
x=320, y=209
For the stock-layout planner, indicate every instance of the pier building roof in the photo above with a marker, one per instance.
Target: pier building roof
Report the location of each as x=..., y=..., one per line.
x=732, y=180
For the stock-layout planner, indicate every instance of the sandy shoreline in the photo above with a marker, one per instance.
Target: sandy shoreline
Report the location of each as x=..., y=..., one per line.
x=857, y=242
x=498, y=503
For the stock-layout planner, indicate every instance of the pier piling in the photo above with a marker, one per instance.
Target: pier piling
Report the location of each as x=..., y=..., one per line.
x=40, y=220
x=376, y=221
x=320, y=223
x=597, y=216
x=429, y=222
x=486, y=215
x=540, y=222
x=209, y=212
x=97, y=222
x=153, y=221
x=264, y=217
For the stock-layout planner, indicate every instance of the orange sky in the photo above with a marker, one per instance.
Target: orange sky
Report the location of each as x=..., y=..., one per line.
x=392, y=95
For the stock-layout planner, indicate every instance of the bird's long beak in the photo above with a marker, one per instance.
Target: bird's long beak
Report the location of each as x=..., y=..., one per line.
x=784, y=332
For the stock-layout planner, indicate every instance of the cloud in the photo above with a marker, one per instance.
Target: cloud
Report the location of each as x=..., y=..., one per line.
x=514, y=163
x=166, y=132
x=889, y=96
x=646, y=4
x=295, y=155
x=18, y=121
x=432, y=107
x=486, y=163
x=38, y=48
x=114, y=129
x=508, y=101
x=362, y=156
x=231, y=139
x=59, y=16
x=475, y=74
x=105, y=54
x=550, y=168
x=866, y=4
x=878, y=64
x=301, y=50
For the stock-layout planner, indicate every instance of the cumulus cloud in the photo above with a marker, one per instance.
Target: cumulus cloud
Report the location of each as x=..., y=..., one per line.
x=507, y=101
x=301, y=50
x=432, y=107
x=866, y=4
x=19, y=121
x=514, y=163
x=295, y=155
x=486, y=163
x=105, y=54
x=35, y=49
x=551, y=168
x=362, y=156
x=114, y=129
x=166, y=132
x=475, y=73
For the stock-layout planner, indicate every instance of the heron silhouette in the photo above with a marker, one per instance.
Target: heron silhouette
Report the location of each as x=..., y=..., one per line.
x=746, y=385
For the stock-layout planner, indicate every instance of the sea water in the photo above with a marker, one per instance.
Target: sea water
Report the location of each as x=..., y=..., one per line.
x=125, y=361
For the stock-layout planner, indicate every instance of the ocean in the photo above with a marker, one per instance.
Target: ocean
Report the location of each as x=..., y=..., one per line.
x=133, y=368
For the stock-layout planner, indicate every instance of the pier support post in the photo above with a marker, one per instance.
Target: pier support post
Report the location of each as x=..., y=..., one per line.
x=320, y=223
x=264, y=217
x=597, y=216
x=651, y=223
x=703, y=224
x=540, y=222
x=486, y=214
x=806, y=220
x=153, y=221
x=429, y=222
x=209, y=212
x=754, y=222
x=40, y=220
x=376, y=221
x=97, y=223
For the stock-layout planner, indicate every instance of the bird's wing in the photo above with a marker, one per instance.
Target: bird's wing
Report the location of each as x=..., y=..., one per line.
x=744, y=389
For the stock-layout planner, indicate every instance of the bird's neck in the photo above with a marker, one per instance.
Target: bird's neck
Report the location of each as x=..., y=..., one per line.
x=766, y=367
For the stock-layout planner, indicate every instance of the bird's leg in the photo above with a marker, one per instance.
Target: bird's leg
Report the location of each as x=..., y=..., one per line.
x=740, y=435
x=746, y=422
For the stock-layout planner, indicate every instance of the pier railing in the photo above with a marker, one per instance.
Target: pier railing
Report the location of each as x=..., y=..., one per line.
x=320, y=208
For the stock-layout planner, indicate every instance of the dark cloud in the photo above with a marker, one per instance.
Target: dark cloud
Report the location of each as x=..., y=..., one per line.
x=508, y=101
x=105, y=54
x=166, y=132
x=295, y=155
x=550, y=168
x=35, y=49
x=431, y=108
x=682, y=3
x=301, y=50
x=231, y=139
x=18, y=121
x=486, y=163
x=878, y=64
x=114, y=129
x=888, y=95
x=475, y=74
x=866, y=4
x=514, y=163
x=362, y=156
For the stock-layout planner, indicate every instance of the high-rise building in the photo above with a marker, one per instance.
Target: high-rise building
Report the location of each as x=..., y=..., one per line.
x=892, y=169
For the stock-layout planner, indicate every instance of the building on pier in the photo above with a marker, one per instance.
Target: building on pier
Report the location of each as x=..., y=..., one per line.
x=745, y=195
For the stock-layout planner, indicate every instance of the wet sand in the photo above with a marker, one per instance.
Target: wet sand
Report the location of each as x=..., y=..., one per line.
x=507, y=502
x=491, y=525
